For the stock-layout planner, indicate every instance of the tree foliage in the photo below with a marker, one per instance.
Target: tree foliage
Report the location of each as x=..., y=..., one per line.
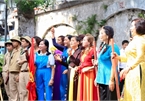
x=27, y=6
x=89, y=25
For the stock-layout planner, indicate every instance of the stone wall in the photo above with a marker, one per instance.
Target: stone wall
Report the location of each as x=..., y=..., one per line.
x=118, y=14
x=121, y=23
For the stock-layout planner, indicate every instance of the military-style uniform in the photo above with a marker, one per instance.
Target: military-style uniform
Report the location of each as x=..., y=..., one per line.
x=24, y=72
x=5, y=73
x=14, y=70
x=23, y=78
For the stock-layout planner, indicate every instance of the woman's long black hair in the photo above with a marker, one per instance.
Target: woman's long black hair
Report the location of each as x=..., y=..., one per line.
x=38, y=40
x=62, y=39
x=77, y=38
x=46, y=43
x=69, y=36
x=110, y=33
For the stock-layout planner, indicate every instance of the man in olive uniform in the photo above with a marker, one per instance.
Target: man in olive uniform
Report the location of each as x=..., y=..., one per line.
x=14, y=69
x=24, y=72
x=5, y=72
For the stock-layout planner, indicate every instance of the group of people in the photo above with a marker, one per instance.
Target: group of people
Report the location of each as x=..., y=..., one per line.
x=72, y=72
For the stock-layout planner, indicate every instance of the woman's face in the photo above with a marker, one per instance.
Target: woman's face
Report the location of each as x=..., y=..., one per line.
x=102, y=35
x=133, y=28
x=85, y=42
x=66, y=42
x=74, y=43
x=59, y=41
x=42, y=46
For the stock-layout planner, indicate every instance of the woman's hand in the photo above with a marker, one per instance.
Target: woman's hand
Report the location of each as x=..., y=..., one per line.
x=76, y=69
x=52, y=31
x=95, y=62
x=85, y=70
x=111, y=85
x=51, y=82
x=57, y=57
x=65, y=71
x=114, y=55
x=124, y=72
x=69, y=51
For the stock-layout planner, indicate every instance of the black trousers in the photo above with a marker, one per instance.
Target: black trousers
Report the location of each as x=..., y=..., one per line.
x=106, y=94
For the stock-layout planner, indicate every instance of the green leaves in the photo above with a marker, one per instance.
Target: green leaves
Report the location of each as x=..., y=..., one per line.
x=101, y=23
x=6, y=1
x=26, y=6
x=89, y=25
x=105, y=6
x=91, y=20
x=141, y=15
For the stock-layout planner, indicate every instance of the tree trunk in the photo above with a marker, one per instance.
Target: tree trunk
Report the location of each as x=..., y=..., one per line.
x=26, y=26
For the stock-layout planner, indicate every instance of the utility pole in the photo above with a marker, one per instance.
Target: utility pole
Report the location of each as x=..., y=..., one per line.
x=6, y=27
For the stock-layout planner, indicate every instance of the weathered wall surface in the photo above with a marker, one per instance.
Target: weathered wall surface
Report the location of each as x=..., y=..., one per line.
x=82, y=11
x=121, y=24
x=118, y=13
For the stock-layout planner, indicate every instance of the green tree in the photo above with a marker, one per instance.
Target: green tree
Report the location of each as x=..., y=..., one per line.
x=26, y=16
